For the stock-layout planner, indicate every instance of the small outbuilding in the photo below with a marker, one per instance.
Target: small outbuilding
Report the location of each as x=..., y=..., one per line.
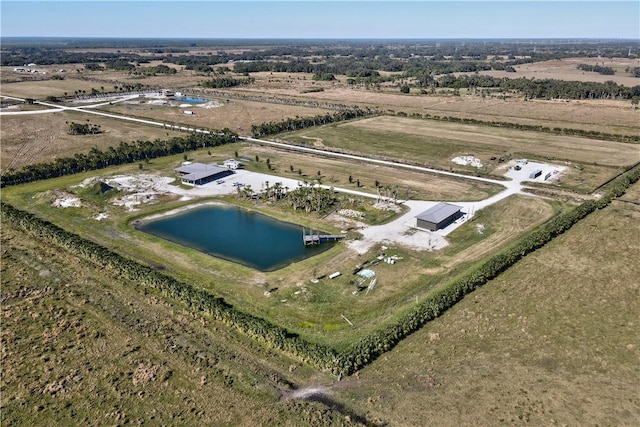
x=201, y=173
x=232, y=164
x=439, y=216
x=536, y=173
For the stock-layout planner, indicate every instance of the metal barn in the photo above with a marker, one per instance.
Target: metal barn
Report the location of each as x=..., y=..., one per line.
x=201, y=173
x=439, y=216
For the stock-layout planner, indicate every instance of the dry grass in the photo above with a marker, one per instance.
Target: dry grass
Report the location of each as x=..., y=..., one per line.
x=598, y=115
x=81, y=348
x=566, y=69
x=237, y=115
x=518, y=142
x=336, y=172
x=29, y=139
x=551, y=341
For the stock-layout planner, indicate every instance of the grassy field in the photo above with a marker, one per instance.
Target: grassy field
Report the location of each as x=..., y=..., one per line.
x=312, y=309
x=434, y=143
x=554, y=340
x=609, y=116
x=237, y=115
x=336, y=172
x=39, y=138
x=81, y=348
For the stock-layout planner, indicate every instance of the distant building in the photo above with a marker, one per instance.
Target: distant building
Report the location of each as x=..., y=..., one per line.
x=232, y=164
x=439, y=216
x=201, y=173
x=536, y=173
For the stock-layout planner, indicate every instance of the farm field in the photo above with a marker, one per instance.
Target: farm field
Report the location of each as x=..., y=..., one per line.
x=566, y=69
x=311, y=309
x=81, y=347
x=237, y=115
x=29, y=139
x=104, y=323
x=608, y=116
x=435, y=143
x=554, y=348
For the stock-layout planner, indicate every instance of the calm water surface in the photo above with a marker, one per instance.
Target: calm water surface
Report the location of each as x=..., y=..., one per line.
x=191, y=100
x=235, y=234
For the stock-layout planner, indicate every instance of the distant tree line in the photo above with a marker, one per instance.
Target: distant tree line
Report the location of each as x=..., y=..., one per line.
x=223, y=82
x=606, y=71
x=290, y=124
x=542, y=88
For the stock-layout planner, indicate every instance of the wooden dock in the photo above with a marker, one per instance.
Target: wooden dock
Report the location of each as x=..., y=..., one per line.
x=315, y=239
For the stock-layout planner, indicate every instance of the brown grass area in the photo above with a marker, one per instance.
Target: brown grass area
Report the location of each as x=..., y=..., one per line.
x=566, y=69
x=563, y=147
x=597, y=115
x=237, y=115
x=29, y=139
x=79, y=347
x=551, y=341
x=43, y=88
x=336, y=172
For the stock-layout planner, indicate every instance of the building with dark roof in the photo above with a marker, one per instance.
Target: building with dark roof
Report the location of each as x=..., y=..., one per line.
x=201, y=173
x=439, y=216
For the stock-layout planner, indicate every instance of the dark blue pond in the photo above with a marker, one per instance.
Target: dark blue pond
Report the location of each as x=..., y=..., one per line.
x=237, y=235
x=191, y=100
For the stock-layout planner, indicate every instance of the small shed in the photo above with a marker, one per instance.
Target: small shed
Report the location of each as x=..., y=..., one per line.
x=439, y=216
x=536, y=173
x=231, y=164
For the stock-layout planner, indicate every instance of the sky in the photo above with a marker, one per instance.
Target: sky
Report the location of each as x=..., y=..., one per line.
x=321, y=19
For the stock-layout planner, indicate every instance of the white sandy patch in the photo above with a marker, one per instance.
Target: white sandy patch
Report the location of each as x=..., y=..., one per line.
x=210, y=104
x=67, y=201
x=548, y=169
x=467, y=161
x=101, y=216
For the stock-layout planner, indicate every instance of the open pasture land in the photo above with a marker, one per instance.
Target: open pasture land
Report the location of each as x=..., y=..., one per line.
x=435, y=143
x=42, y=88
x=609, y=116
x=29, y=139
x=237, y=115
x=336, y=172
x=294, y=300
x=553, y=340
x=81, y=347
x=567, y=69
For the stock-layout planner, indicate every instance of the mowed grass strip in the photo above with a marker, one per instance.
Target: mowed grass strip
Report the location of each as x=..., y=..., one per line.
x=553, y=340
x=435, y=142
